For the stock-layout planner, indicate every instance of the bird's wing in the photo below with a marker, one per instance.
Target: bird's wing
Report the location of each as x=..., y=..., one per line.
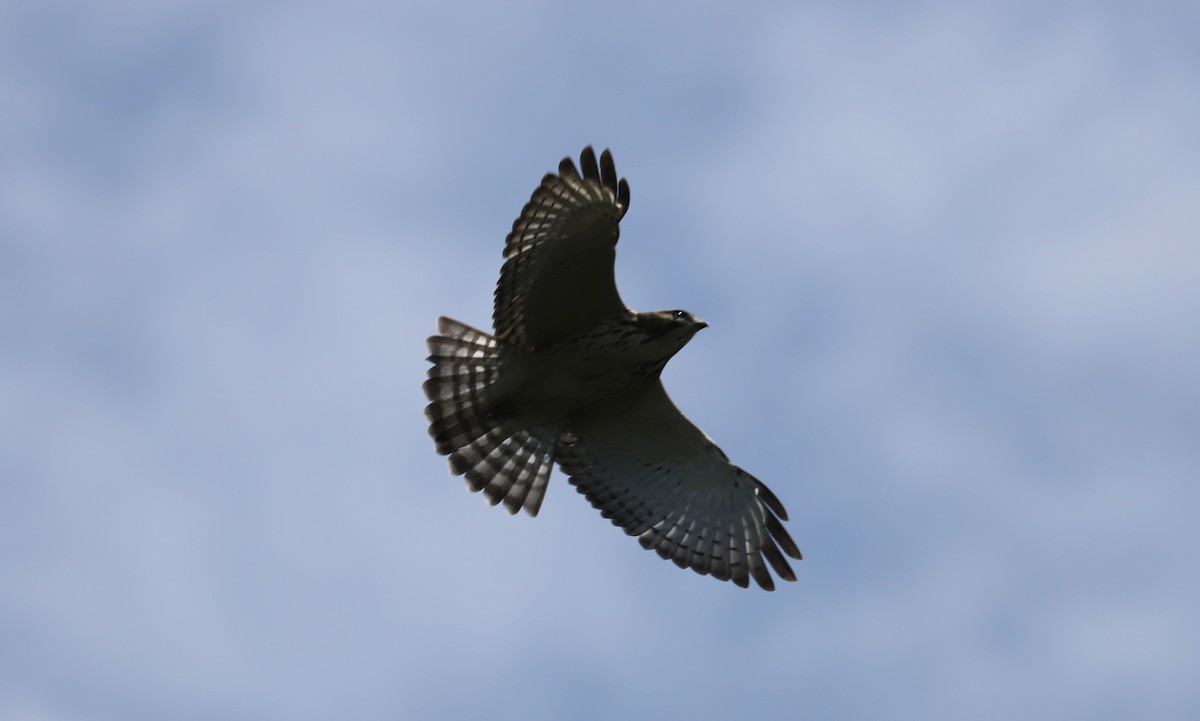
x=658, y=476
x=558, y=276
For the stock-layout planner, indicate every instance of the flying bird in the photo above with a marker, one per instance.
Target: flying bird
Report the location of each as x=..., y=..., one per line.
x=570, y=375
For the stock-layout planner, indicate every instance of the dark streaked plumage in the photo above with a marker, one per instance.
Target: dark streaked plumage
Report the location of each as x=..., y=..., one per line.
x=572, y=376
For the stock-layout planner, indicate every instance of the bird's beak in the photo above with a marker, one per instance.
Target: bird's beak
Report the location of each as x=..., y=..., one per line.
x=700, y=324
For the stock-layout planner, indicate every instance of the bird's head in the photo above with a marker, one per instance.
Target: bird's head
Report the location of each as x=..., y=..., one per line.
x=672, y=327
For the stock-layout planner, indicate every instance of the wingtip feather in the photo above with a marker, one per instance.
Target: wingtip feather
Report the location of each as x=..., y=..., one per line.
x=587, y=163
x=566, y=169
x=608, y=171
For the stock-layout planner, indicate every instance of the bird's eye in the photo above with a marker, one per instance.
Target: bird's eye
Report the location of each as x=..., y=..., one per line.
x=680, y=315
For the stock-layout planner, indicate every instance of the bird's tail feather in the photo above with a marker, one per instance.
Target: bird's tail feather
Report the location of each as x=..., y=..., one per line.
x=507, y=465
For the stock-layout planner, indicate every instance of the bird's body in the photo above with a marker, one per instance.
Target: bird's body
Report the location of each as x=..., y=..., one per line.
x=572, y=376
x=548, y=385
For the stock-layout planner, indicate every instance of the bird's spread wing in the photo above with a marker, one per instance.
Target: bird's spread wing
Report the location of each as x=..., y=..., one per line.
x=653, y=473
x=558, y=277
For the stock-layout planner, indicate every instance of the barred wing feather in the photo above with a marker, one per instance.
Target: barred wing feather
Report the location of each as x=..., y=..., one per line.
x=557, y=278
x=653, y=473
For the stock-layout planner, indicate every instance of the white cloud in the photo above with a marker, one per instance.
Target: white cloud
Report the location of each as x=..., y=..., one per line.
x=958, y=240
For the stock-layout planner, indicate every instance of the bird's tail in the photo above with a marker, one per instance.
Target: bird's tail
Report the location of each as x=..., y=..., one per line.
x=507, y=465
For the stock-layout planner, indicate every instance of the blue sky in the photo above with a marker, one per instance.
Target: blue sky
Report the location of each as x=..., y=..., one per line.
x=949, y=257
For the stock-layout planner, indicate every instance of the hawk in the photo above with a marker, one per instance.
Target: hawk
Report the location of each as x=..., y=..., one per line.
x=571, y=376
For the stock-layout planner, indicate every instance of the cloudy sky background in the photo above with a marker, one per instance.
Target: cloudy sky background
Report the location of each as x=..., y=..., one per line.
x=950, y=256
